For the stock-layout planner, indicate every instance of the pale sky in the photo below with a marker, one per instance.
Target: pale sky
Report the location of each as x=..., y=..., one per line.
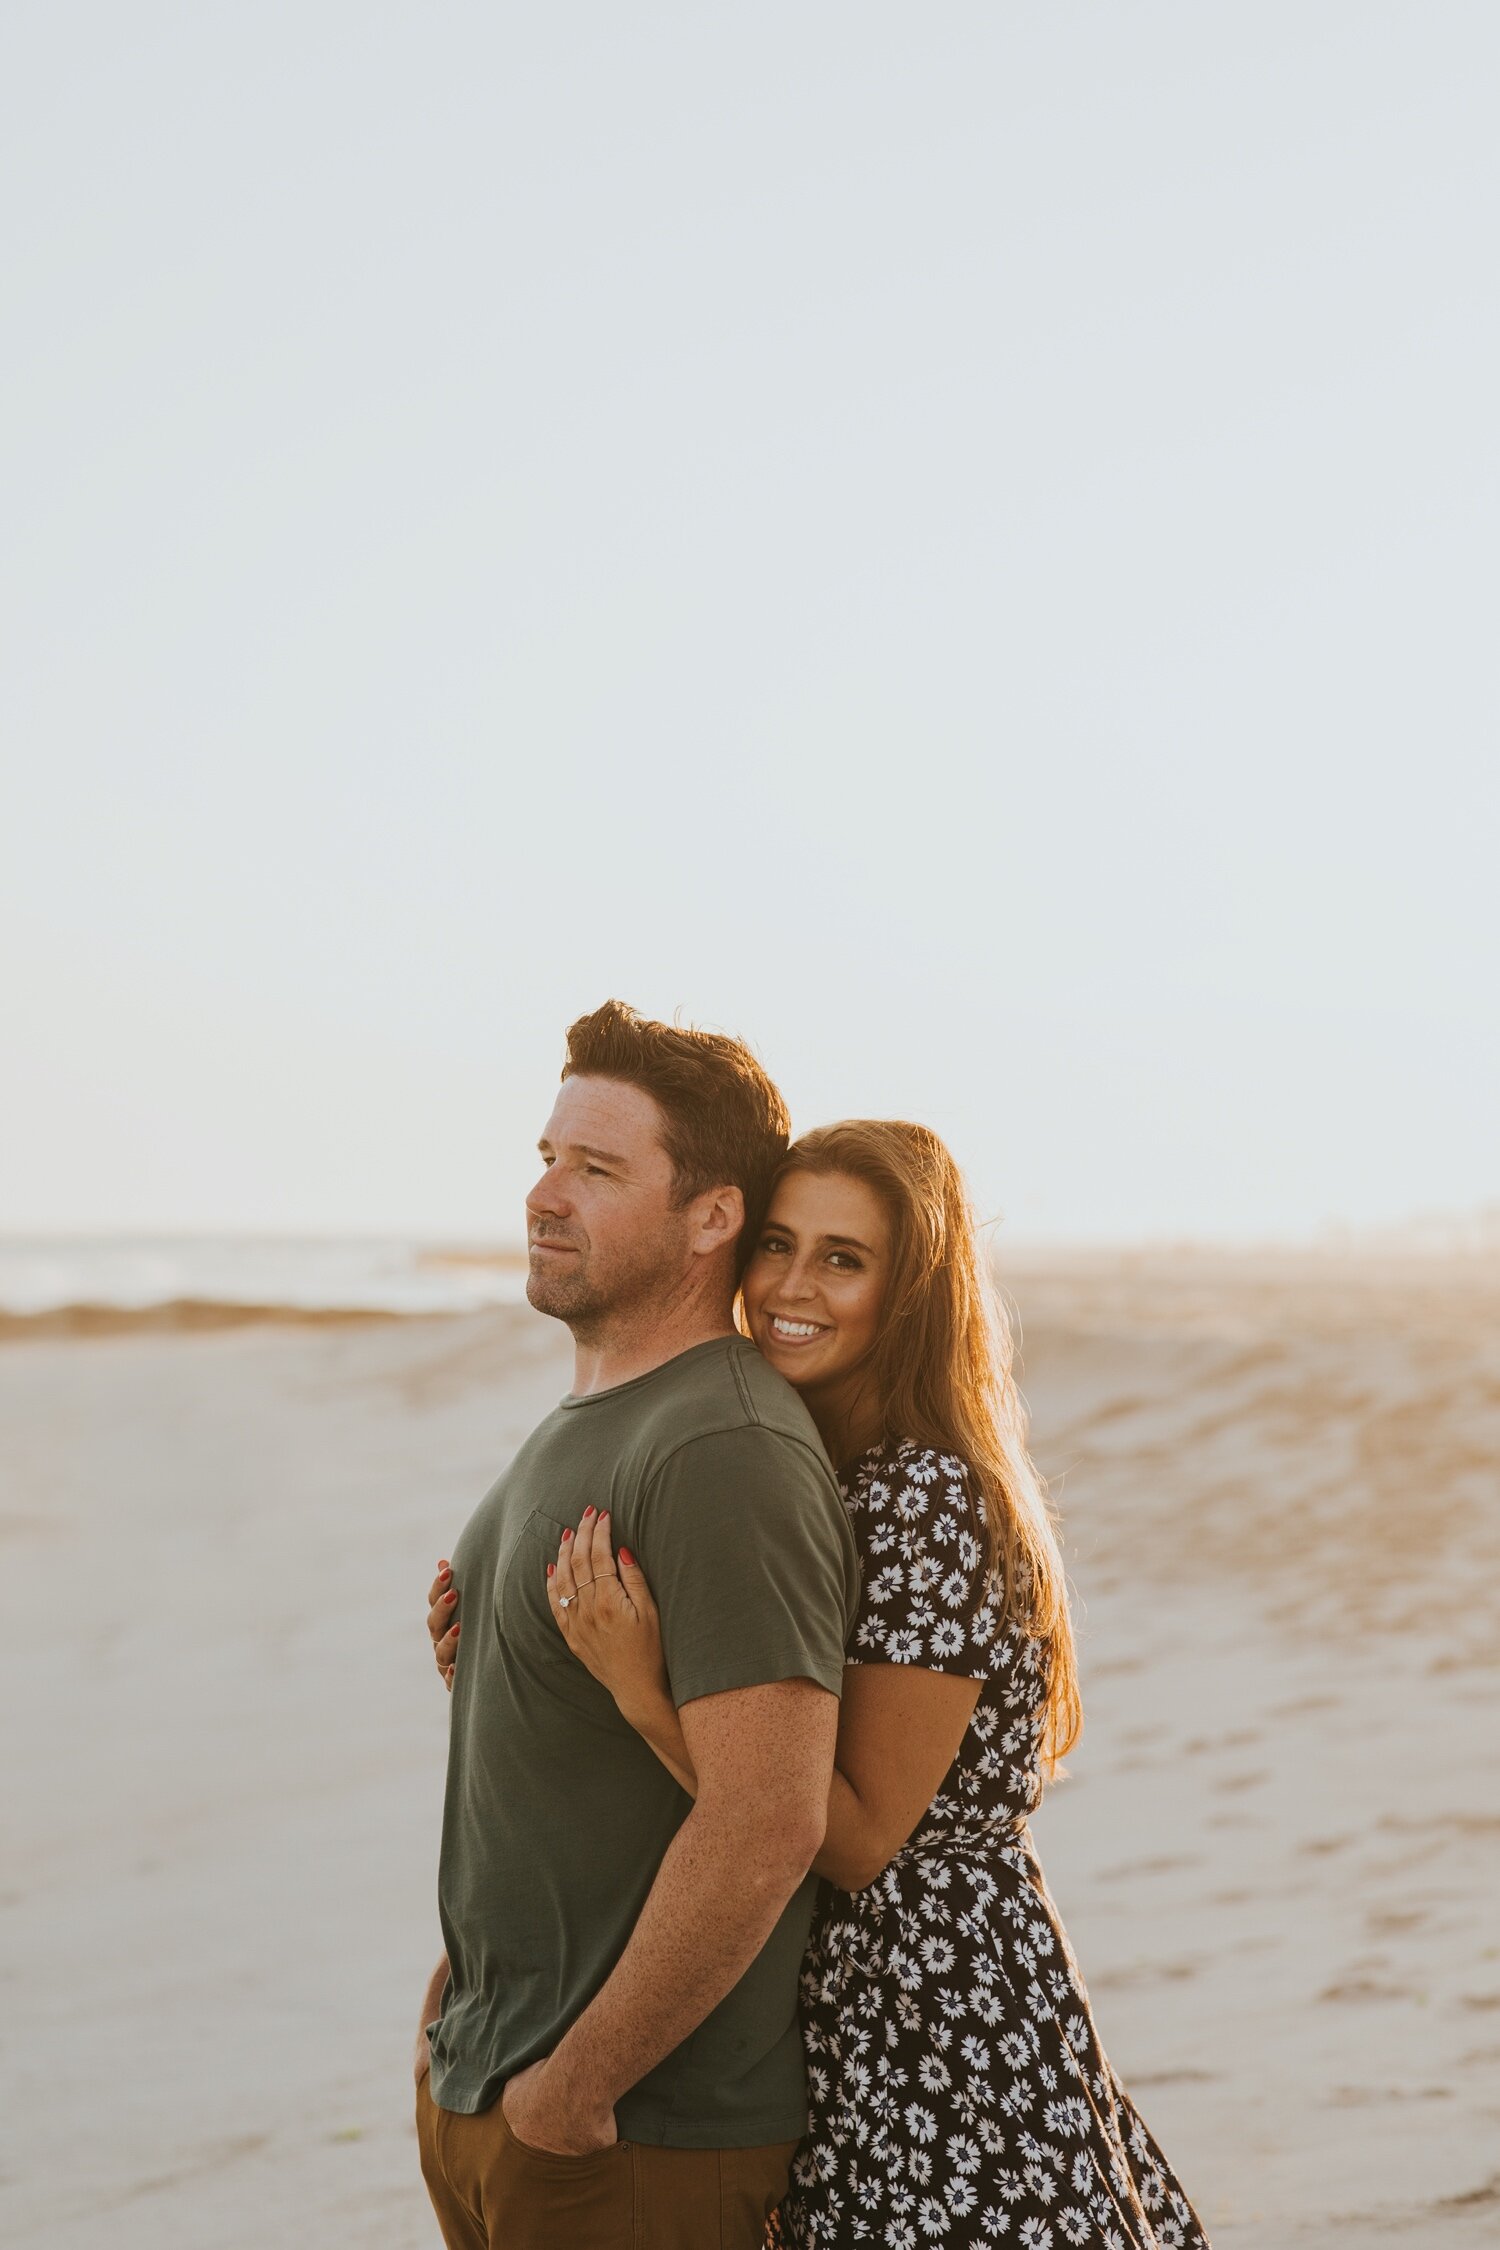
x=958, y=543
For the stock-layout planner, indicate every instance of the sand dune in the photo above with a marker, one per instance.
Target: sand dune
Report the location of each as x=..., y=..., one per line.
x=1275, y=1849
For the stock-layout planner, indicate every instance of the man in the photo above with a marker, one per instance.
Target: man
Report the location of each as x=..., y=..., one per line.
x=615, y=2061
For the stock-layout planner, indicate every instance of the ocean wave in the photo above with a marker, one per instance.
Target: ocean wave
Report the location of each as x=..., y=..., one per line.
x=99, y=1284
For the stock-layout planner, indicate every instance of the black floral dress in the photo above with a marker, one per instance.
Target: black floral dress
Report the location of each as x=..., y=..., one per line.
x=958, y=2093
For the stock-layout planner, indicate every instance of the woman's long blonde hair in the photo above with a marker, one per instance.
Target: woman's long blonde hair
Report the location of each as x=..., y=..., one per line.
x=941, y=1367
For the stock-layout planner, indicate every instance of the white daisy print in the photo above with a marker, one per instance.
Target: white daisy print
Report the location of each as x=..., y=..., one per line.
x=957, y=2090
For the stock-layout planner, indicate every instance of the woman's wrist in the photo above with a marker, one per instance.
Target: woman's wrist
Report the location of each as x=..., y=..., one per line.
x=650, y=1711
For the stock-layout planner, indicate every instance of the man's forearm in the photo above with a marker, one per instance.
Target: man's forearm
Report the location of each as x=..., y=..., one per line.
x=718, y=1894
x=845, y=1847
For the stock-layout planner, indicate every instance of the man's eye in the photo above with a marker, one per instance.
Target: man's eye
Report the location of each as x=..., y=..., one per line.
x=596, y=1169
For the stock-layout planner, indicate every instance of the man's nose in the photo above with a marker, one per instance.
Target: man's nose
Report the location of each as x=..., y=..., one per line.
x=547, y=1199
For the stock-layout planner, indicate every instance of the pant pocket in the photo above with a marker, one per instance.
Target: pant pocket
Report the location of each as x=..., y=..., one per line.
x=535, y=2199
x=752, y=2181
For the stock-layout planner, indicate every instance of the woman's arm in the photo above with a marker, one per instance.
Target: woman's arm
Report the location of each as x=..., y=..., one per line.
x=899, y=1732
x=609, y=1620
x=899, y=1727
x=655, y=1720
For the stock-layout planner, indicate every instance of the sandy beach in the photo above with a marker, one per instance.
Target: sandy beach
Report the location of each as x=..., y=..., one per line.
x=1275, y=1850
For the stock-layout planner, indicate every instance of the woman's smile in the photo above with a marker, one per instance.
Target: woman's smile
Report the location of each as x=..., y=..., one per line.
x=825, y=1243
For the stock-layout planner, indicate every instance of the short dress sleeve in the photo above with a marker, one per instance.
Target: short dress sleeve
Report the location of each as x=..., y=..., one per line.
x=927, y=1598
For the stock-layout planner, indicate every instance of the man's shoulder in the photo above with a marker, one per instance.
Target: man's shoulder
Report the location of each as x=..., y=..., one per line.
x=729, y=1397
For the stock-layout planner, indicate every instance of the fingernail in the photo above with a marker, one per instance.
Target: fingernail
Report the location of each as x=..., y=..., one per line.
x=567, y=1535
x=627, y=1556
x=551, y=1570
x=604, y=1515
x=587, y=1513
x=453, y=1597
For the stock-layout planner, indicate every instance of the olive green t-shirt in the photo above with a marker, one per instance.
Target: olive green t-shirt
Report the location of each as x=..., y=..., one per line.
x=557, y=1813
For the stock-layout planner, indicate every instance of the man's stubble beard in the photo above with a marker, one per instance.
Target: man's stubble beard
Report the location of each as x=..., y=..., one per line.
x=592, y=1304
x=569, y=1296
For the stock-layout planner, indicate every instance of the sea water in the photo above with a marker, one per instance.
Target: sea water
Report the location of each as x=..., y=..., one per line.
x=50, y=1273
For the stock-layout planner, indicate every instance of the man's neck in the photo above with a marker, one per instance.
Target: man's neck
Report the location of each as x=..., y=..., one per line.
x=604, y=1361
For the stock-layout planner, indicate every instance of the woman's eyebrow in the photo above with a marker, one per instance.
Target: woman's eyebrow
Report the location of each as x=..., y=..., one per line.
x=834, y=1241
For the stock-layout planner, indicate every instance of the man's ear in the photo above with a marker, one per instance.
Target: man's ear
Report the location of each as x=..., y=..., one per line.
x=719, y=1219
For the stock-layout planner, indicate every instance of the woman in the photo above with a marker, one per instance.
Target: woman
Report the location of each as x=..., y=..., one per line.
x=957, y=2088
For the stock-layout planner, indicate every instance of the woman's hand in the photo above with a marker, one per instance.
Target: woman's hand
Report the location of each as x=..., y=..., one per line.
x=442, y=1622
x=607, y=1617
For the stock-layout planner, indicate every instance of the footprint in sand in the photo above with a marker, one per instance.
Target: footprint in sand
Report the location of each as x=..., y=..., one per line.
x=1243, y=1738
x=1358, y=1989
x=1145, y=1972
x=1163, y=1866
x=1392, y=1922
x=1173, y=2078
x=1363, y=2097
x=1483, y=2198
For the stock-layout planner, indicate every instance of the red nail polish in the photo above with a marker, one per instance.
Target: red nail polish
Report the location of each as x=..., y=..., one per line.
x=604, y=1515
x=627, y=1556
x=551, y=1570
x=451, y=1598
x=567, y=1535
x=587, y=1513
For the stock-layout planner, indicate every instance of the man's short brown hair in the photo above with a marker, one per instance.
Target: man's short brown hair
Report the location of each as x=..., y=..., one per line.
x=724, y=1124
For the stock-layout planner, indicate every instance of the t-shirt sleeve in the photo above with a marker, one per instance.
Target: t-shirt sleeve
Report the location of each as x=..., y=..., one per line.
x=927, y=1599
x=746, y=1546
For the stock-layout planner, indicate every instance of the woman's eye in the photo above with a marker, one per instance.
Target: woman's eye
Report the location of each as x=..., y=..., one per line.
x=772, y=1244
x=842, y=1258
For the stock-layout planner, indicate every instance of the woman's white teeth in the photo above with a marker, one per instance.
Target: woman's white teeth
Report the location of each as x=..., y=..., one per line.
x=793, y=1327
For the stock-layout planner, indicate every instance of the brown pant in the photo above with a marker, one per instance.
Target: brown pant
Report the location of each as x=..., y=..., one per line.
x=491, y=2192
